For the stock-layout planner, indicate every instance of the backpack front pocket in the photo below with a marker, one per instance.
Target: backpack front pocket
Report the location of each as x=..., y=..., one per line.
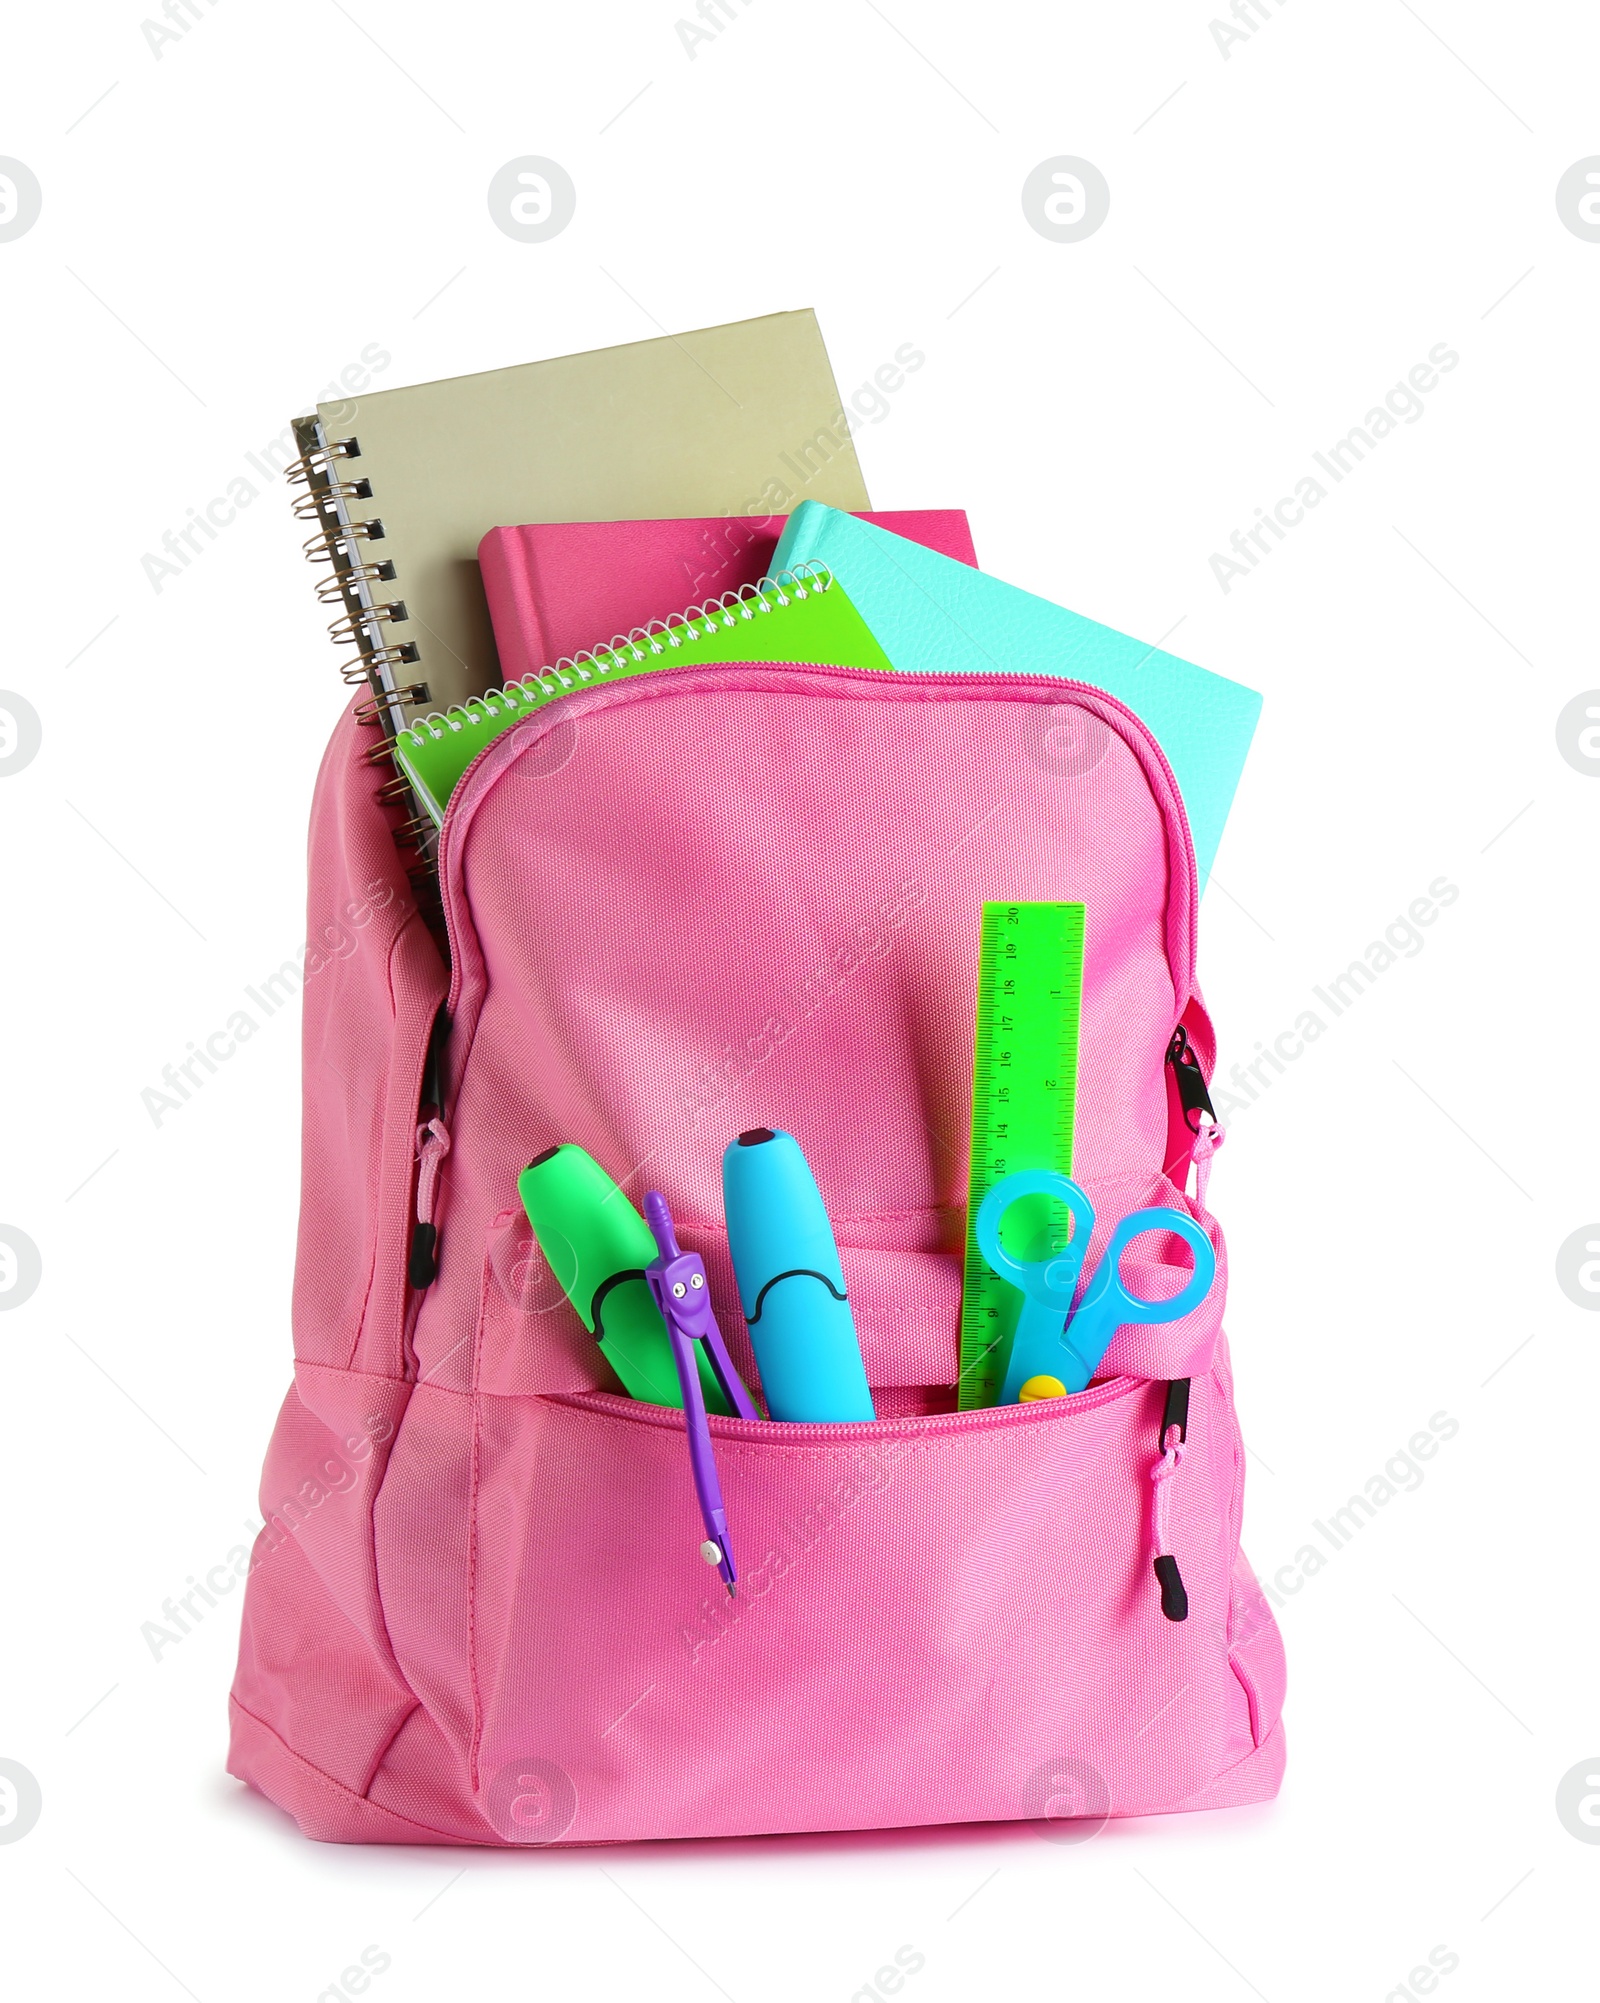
x=937, y=1618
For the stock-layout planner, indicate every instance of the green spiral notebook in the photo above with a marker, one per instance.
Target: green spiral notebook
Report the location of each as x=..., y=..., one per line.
x=800, y=615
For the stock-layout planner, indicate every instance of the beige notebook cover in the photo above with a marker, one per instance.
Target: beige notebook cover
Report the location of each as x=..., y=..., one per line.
x=724, y=421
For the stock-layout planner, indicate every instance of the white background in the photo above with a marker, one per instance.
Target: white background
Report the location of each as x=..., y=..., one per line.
x=1292, y=227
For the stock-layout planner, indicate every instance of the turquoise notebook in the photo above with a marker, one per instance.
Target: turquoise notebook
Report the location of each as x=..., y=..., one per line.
x=934, y=616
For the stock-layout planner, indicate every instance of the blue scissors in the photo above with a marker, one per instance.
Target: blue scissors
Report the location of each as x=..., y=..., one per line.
x=1048, y=1350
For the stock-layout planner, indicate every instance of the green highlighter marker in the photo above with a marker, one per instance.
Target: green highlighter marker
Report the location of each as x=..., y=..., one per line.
x=598, y=1246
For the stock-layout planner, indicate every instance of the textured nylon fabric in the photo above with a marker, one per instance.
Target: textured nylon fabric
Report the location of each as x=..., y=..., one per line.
x=680, y=908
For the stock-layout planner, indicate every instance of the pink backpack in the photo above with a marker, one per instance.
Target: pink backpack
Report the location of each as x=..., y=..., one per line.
x=678, y=907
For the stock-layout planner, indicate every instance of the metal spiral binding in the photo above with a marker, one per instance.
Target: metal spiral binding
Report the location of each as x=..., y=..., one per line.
x=376, y=708
x=320, y=454
x=329, y=488
x=358, y=668
x=324, y=499
x=416, y=833
x=348, y=626
x=321, y=548
x=331, y=590
x=343, y=540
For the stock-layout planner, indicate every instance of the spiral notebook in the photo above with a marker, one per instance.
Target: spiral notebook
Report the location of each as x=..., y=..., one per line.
x=400, y=484
x=797, y=615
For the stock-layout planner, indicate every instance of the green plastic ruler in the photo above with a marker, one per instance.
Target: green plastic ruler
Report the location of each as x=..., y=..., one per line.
x=1024, y=1096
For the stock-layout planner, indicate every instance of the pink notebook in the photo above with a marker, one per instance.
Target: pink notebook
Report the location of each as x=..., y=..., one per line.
x=557, y=587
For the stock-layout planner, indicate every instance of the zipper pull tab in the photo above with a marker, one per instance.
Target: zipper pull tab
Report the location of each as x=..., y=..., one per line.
x=1199, y=1115
x=1206, y=1143
x=433, y=1144
x=1174, y=1428
x=1193, y=1094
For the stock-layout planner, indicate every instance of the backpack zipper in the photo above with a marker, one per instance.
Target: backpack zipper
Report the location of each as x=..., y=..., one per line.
x=862, y=1432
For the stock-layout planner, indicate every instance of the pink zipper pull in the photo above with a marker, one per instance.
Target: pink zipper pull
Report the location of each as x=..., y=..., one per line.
x=1199, y=1115
x=1206, y=1143
x=433, y=1144
x=1174, y=1425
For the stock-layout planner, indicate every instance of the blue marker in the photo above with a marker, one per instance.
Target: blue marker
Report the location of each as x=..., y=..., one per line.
x=791, y=1285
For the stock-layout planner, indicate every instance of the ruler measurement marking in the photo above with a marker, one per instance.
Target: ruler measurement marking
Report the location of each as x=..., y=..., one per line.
x=1029, y=995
